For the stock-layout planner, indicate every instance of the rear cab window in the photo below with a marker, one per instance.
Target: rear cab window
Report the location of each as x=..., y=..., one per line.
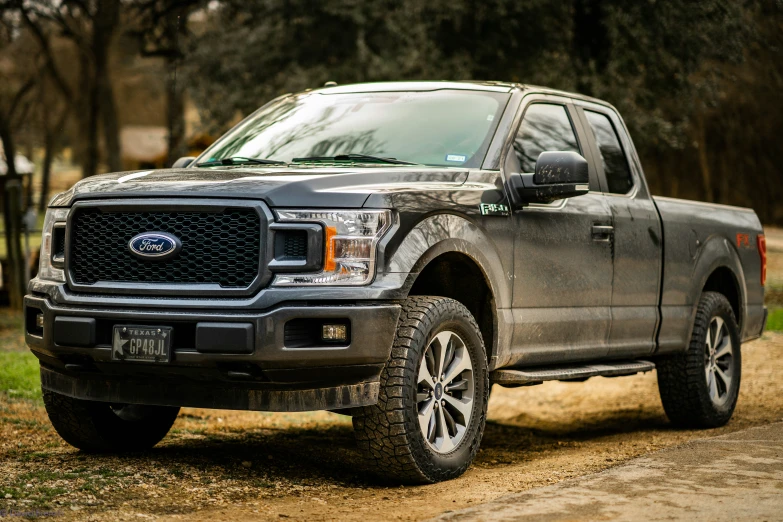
x=615, y=163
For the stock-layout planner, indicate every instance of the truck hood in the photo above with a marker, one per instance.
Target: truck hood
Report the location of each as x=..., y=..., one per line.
x=343, y=187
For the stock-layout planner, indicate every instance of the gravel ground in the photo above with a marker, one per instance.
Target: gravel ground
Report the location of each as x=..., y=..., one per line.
x=224, y=465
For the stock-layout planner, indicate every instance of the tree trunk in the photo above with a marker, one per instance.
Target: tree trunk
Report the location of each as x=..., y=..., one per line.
x=51, y=144
x=28, y=189
x=12, y=216
x=46, y=171
x=104, y=25
x=175, y=114
x=88, y=119
x=111, y=130
x=704, y=161
x=590, y=44
x=91, y=134
x=725, y=170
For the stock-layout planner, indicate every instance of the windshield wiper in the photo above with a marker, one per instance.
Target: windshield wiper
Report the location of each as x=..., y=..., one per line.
x=239, y=160
x=354, y=157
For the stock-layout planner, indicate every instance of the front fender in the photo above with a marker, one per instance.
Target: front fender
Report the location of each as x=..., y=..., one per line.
x=448, y=233
x=442, y=233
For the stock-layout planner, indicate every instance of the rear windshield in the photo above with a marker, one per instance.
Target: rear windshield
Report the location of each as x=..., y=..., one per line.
x=441, y=128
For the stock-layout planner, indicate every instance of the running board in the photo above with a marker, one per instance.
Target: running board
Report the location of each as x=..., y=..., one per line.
x=528, y=377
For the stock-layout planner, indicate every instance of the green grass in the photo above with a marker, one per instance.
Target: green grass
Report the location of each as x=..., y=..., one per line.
x=775, y=320
x=32, y=488
x=19, y=375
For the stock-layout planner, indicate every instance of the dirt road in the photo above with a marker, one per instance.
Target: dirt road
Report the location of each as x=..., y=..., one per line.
x=221, y=465
x=738, y=476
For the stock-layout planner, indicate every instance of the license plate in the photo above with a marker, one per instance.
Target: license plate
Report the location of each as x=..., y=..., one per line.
x=142, y=343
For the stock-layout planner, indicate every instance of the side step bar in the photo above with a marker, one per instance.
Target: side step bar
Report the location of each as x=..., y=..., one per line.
x=511, y=378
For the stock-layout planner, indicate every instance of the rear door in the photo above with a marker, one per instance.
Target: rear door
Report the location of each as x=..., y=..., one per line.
x=636, y=241
x=562, y=279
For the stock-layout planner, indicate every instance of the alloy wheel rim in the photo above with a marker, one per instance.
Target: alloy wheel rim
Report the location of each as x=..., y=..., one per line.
x=445, y=392
x=718, y=360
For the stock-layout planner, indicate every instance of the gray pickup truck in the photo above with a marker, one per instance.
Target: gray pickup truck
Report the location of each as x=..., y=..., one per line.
x=389, y=251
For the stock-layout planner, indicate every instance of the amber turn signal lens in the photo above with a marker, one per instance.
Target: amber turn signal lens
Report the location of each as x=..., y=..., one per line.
x=329, y=263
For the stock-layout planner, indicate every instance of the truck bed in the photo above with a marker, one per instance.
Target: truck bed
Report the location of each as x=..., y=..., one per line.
x=697, y=238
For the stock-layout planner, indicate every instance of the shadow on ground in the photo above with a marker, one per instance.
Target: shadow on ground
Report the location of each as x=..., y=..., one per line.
x=329, y=454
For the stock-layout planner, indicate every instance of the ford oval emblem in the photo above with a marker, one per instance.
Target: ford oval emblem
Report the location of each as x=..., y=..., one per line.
x=154, y=245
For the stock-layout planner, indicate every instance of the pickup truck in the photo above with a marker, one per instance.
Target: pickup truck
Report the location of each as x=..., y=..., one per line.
x=389, y=251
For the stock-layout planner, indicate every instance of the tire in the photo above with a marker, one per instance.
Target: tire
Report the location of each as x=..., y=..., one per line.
x=693, y=385
x=101, y=427
x=389, y=434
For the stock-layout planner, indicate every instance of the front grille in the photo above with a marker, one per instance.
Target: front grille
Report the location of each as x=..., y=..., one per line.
x=221, y=248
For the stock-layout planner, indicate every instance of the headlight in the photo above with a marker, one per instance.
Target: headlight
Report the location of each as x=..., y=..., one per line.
x=46, y=270
x=351, y=239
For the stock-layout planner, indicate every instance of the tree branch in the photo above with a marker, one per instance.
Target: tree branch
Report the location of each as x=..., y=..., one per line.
x=19, y=96
x=62, y=85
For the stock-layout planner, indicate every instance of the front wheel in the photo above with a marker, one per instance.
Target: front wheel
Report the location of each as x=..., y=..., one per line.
x=432, y=406
x=699, y=388
x=104, y=427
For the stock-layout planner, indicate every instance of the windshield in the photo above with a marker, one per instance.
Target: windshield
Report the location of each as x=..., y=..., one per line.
x=442, y=128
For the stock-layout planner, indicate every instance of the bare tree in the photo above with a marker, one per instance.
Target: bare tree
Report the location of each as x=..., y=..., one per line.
x=20, y=72
x=53, y=107
x=161, y=27
x=91, y=25
x=52, y=115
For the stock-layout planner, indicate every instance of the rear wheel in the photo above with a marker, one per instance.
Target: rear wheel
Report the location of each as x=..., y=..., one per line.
x=432, y=405
x=104, y=427
x=699, y=388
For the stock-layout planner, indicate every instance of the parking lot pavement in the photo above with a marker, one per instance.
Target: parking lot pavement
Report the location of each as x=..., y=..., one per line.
x=732, y=477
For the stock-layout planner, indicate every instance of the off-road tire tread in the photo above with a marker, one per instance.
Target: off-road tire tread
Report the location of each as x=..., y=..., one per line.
x=380, y=429
x=681, y=381
x=92, y=427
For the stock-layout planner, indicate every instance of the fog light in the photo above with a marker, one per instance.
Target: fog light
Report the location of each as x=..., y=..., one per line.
x=39, y=320
x=334, y=332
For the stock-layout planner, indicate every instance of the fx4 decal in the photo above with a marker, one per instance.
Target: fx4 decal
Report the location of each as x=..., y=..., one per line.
x=743, y=241
x=493, y=209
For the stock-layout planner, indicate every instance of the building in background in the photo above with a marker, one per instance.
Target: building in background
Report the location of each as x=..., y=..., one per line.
x=143, y=146
x=24, y=167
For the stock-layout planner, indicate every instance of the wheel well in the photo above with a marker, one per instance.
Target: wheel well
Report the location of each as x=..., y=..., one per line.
x=458, y=277
x=723, y=281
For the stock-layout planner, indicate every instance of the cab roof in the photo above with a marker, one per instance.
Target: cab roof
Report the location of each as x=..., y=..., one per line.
x=417, y=86
x=491, y=86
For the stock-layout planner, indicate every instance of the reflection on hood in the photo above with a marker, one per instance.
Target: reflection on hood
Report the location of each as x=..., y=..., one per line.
x=339, y=187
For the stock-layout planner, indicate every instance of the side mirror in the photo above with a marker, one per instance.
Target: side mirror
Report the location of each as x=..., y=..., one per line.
x=183, y=162
x=558, y=175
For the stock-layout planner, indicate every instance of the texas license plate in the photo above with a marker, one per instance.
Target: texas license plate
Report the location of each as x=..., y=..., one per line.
x=142, y=343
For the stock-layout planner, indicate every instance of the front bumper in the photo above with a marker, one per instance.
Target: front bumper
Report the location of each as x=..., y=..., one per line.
x=280, y=371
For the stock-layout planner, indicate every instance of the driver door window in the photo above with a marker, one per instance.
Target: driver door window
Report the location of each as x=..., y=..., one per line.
x=545, y=127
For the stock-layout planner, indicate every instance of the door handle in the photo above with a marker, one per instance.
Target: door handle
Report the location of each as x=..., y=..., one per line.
x=602, y=233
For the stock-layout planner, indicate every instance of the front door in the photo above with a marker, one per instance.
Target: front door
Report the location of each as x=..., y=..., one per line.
x=562, y=287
